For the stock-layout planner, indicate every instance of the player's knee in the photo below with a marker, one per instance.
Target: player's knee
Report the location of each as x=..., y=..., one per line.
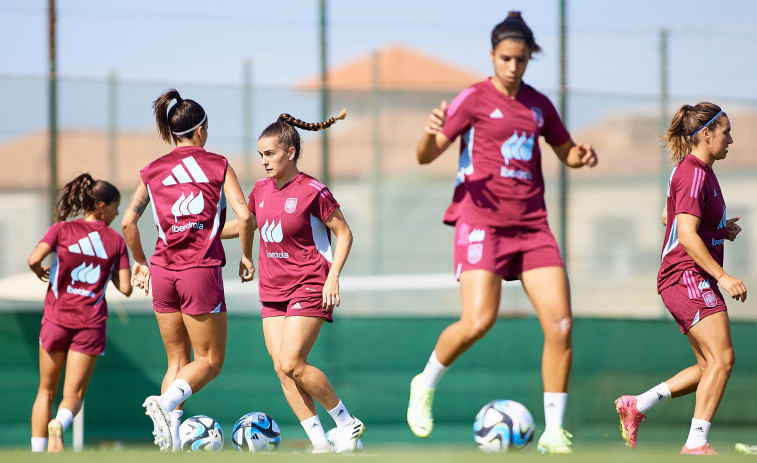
x=476, y=329
x=291, y=369
x=48, y=395
x=559, y=329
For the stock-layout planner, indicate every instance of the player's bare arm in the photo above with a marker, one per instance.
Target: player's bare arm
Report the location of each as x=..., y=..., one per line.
x=692, y=243
x=433, y=142
x=35, y=261
x=338, y=225
x=244, y=225
x=576, y=155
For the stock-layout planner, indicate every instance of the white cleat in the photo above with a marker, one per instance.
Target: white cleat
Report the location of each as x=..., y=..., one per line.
x=419, y=415
x=160, y=420
x=347, y=437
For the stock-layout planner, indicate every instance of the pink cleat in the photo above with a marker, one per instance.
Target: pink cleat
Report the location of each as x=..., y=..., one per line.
x=630, y=417
x=702, y=450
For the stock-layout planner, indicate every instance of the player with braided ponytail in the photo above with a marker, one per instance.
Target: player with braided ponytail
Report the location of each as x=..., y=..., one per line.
x=88, y=254
x=299, y=277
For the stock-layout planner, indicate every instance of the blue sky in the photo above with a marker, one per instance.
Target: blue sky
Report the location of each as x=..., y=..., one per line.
x=612, y=45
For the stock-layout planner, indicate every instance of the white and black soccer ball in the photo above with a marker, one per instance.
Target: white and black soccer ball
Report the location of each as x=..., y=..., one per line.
x=503, y=425
x=200, y=433
x=256, y=432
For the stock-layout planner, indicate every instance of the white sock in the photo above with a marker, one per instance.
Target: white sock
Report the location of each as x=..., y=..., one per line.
x=177, y=392
x=698, y=433
x=39, y=444
x=175, y=423
x=554, y=408
x=315, y=432
x=652, y=397
x=341, y=416
x=65, y=417
x=433, y=372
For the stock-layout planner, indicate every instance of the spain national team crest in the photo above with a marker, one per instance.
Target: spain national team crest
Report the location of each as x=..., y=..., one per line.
x=709, y=299
x=475, y=251
x=290, y=205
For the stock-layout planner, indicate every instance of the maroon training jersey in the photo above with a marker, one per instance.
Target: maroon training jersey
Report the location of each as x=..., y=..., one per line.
x=693, y=189
x=85, y=255
x=500, y=181
x=295, y=244
x=188, y=204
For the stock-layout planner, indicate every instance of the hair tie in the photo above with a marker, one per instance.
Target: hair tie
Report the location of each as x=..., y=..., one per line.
x=708, y=123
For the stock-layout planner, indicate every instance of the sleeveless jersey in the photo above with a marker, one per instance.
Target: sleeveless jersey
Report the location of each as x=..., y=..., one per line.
x=295, y=245
x=85, y=255
x=692, y=189
x=189, y=205
x=499, y=180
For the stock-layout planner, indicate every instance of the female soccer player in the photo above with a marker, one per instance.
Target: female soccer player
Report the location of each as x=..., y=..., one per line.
x=500, y=220
x=88, y=254
x=691, y=269
x=188, y=188
x=299, y=278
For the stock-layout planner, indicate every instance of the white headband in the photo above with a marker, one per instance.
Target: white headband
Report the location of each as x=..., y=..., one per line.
x=193, y=128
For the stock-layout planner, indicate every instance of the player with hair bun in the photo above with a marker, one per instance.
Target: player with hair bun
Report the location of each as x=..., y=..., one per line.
x=189, y=189
x=690, y=272
x=88, y=254
x=299, y=276
x=500, y=220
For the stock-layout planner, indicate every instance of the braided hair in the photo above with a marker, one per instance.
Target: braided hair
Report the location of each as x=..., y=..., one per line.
x=285, y=132
x=81, y=195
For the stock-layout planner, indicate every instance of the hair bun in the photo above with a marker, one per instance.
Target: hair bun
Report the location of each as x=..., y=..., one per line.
x=515, y=15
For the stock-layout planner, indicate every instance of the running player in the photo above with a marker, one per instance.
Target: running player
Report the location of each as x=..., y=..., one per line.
x=691, y=269
x=500, y=221
x=299, y=277
x=88, y=254
x=188, y=188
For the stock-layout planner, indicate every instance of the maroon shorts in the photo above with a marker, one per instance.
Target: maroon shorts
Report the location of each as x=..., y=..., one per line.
x=309, y=306
x=504, y=251
x=692, y=298
x=192, y=291
x=56, y=338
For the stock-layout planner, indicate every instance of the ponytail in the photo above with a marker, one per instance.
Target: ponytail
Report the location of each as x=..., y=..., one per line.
x=181, y=120
x=286, y=134
x=81, y=195
x=680, y=138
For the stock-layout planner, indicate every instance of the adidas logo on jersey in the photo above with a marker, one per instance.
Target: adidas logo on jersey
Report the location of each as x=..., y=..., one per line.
x=180, y=174
x=86, y=274
x=188, y=205
x=90, y=245
x=496, y=114
x=272, y=233
x=261, y=204
x=297, y=306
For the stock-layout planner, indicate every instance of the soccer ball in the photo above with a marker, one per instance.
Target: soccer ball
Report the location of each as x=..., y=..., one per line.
x=256, y=432
x=200, y=432
x=331, y=437
x=503, y=425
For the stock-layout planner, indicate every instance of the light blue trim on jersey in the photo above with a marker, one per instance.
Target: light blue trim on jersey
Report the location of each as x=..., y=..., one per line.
x=161, y=233
x=321, y=237
x=217, y=219
x=672, y=239
x=53, y=275
x=465, y=163
x=105, y=286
